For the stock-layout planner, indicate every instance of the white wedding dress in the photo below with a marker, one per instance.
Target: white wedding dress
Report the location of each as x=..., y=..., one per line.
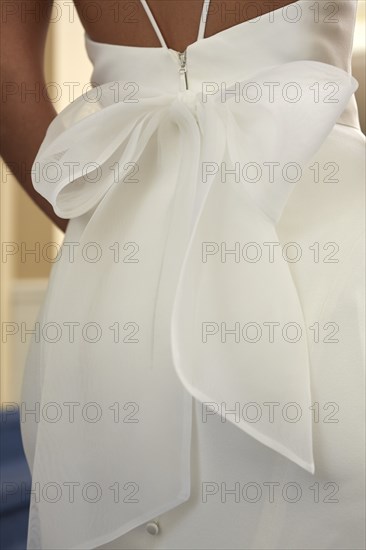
x=198, y=379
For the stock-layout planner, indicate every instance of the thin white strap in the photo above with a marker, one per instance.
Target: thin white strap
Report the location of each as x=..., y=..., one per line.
x=203, y=19
x=154, y=23
x=201, y=30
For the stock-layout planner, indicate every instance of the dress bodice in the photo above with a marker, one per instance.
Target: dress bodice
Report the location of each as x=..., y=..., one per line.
x=304, y=30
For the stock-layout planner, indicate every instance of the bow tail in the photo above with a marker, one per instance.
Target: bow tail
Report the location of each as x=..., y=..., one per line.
x=238, y=334
x=186, y=157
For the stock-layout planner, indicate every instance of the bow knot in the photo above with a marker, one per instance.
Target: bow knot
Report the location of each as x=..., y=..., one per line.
x=189, y=98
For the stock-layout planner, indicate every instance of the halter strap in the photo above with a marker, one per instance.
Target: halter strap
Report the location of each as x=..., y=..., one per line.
x=203, y=19
x=202, y=26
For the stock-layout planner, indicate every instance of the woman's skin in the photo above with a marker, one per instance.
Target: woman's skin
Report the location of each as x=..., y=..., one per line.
x=26, y=116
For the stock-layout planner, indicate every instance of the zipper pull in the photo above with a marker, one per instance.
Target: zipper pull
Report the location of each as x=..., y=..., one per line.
x=183, y=69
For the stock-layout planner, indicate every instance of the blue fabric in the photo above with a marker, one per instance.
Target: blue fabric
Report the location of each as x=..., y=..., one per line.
x=15, y=483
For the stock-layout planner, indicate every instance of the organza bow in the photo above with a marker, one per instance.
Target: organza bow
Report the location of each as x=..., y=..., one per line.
x=271, y=123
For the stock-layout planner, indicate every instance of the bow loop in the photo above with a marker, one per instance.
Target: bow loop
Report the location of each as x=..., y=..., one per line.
x=277, y=120
x=87, y=143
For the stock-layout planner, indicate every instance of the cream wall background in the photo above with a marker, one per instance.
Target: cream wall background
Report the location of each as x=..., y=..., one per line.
x=23, y=283
x=23, y=224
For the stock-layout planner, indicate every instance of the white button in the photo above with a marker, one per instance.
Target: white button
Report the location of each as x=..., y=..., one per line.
x=152, y=528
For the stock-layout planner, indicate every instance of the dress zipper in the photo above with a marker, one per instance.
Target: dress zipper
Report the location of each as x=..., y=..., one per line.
x=183, y=69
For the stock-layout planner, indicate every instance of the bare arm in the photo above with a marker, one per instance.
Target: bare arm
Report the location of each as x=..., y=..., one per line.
x=25, y=115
